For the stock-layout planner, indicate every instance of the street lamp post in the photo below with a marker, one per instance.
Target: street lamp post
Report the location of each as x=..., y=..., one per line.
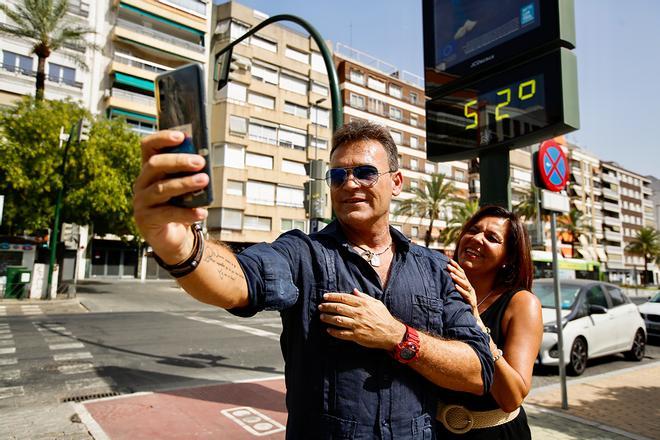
x=316, y=157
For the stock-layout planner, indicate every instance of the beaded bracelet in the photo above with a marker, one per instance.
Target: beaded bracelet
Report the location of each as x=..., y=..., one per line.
x=497, y=355
x=189, y=264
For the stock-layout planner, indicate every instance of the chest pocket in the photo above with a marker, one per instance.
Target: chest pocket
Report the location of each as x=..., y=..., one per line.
x=426, y=307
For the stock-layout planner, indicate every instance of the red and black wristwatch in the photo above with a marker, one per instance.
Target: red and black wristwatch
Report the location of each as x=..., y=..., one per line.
x=408, y=349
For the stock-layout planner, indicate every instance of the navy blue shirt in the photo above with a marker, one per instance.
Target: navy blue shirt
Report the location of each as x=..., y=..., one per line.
x=339, y=389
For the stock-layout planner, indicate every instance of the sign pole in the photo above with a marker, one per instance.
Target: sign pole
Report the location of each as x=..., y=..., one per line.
x=560, y=327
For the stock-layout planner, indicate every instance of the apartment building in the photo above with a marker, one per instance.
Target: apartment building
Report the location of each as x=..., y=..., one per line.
x=267, y=123
x=64, y=79
x=377, y=91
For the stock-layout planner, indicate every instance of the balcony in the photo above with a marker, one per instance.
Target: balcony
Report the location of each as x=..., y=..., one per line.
x=134, y=97
x=613, y=236
x=17, y=71
x=139, y=63
x=78, y=7
x=161, y=36
x=647, y=190
x=614, y=207
x=609, y=178
x=612, y=221
x=610, y=194
x=614, y=250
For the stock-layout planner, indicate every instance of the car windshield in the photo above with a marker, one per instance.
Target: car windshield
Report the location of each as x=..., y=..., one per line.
x=546, y=293
x=656, y=298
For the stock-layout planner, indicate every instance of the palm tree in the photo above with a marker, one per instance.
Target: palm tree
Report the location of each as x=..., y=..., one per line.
x=574, y=224
x=645, y=244
x=460, y=215
x=46, y=25
x=428, y=202
x=528, y=207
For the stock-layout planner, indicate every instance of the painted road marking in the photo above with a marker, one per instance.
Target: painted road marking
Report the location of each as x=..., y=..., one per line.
x=76, y=368
x=6, y=336
x=57, y=339
x=11, y=392
x=66, y=346
x=10, y=375
x=95, y=382
x=8, y=350
x=4, y=331
x=57, y=328
x=8, y=361
x=72, y=356
x=253, y=421
x=6, y=343
x=242, y=328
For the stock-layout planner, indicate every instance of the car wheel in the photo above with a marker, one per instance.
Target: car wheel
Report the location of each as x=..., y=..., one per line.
x=638, y=349
x=578, y=358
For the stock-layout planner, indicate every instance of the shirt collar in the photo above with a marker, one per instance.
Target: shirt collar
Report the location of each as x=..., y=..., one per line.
x=335, y=232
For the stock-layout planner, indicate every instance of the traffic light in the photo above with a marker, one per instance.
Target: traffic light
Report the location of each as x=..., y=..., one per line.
x=314, y=189
x=84, y=127
x=67, y=232
x=227, y=66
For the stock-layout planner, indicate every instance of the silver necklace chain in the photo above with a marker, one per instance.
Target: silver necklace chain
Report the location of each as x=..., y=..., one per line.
x=485, y=298
x=373, y=258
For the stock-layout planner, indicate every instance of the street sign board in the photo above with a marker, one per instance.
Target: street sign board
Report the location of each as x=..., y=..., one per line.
x=554, y=201
x=551, y=167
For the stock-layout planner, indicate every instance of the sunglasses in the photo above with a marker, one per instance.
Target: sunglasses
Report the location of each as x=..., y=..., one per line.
x=365, y=175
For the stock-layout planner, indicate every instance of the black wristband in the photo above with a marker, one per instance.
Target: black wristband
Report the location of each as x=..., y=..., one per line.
x=189, y=264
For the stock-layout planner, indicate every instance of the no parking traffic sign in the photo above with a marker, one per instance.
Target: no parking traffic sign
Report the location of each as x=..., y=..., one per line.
x=551, y=167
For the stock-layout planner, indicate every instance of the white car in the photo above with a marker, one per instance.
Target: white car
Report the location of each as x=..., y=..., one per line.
x=650, y=311
x=598, y=319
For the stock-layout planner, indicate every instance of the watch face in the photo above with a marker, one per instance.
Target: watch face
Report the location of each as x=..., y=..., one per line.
x=407, y=353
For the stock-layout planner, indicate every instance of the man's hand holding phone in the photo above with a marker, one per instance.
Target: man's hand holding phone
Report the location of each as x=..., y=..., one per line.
x=164, y=226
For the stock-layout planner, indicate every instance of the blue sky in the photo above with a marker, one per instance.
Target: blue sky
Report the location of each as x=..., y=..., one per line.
x=618, y=49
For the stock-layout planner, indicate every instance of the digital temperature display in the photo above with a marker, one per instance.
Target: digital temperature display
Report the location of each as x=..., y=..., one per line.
x=516, y=107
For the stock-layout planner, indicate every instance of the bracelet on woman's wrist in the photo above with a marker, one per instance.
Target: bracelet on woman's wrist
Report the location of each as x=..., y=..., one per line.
x=192, y=262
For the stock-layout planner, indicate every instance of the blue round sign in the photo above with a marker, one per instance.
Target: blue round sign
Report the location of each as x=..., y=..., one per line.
x=552, y=166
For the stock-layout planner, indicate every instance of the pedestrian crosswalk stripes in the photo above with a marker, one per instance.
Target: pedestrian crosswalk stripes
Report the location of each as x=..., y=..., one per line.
x=72, y=356
x=11, y=392
x=66, y=346
x=89, y=383
x=8, y=350
x=8, y=361
x=76, y=368
x=10, y=374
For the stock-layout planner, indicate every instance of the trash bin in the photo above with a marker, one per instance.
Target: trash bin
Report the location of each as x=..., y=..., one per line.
x=18, y=277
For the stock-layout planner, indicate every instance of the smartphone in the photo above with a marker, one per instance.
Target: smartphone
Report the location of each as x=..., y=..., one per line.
x=181, y=105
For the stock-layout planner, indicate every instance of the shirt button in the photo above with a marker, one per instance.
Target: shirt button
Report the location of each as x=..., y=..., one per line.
x=384, y=422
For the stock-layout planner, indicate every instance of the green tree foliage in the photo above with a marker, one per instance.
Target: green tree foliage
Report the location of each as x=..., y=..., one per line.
x=100, y=172
x=528, y=206
x=461, y=213
x=428, y=202
x=646, y=244
x=48, y=27
x=574, y=224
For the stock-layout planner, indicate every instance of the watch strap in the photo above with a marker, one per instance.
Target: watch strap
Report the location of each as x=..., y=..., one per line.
x=410, y=344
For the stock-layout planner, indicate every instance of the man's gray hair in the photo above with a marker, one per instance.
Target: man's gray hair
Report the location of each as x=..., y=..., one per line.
x=362, y=131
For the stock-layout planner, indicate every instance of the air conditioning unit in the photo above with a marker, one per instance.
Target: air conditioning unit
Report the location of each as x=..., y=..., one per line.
x=107, y=93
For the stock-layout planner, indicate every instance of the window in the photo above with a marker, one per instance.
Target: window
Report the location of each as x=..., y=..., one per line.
x=596, y=297
x=319, y=143
x=234, y=188
x=413, y=120
x=376, y=106
x=235, y=91
x=459, y=175
x=429, y=168
x=260, y=193
x=395, y=91
x=227, y=155
x=396, y=113
x=261, y=100
x=263, y=133
x=259, y=161
x=287, y=196
x=413, y=164
x=297, y=55
x=616, y=296
x=357, y=101
x=413, y=98
x=289, y=224
x=16, y=63
x=64, y=74
x=320, y=116
x=296, y=110
x=414, y=231
x=317, y=63
x=263, y=73
x=413, y=184
x=237, y=124
x=292, y=138
x=289, y=166
x=319, y=89
x=397, y=137
x=356, y=76
x=231, y=219
x=293, y=84
x=376, y=84
x=414, y=142
x=263, y=43
x=255, y=223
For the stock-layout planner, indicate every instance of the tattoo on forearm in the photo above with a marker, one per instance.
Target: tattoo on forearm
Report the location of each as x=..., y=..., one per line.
x=226, y=267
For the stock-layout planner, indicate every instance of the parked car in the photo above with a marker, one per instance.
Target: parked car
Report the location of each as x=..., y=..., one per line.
x=650, y=311
x=598, y=319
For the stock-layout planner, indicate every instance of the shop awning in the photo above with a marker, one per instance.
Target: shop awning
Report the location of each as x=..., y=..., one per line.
x=162, y=19
x=115, y=112
x=134, y=81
